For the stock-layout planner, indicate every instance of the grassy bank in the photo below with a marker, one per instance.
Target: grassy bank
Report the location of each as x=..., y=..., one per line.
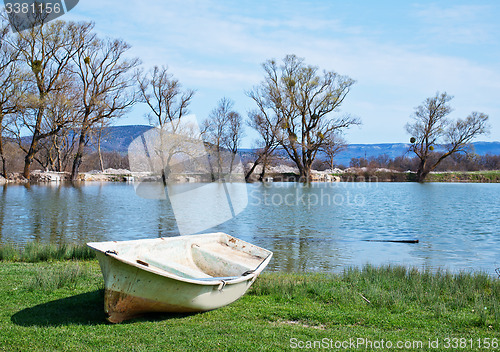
x=34, y=252
x=388, y=176
x=377, y=176
x=471, y=176
x=58, y=306
x=372, y=175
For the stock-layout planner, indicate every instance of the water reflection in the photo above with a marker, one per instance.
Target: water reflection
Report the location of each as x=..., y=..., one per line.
x=317, y=227
x=167, y=225
x=3, y=197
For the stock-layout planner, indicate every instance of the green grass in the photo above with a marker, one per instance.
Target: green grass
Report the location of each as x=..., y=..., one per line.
x=58, y=306
x=69, y=275
x=465, y=176
x=376, y=176
x=38, y=252
x=456, y=176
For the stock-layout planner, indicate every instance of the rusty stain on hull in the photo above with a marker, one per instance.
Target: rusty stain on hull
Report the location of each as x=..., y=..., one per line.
x=120, y=306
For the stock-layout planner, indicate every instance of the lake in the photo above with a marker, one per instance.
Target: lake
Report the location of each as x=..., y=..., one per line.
x=317, y=227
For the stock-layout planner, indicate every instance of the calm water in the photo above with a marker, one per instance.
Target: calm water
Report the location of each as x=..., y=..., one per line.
x=318, y=227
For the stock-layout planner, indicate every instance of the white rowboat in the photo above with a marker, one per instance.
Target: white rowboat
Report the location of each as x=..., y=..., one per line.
x=177, y=274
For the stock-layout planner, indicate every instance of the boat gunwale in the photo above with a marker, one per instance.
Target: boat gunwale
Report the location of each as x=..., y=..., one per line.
x=205, y=281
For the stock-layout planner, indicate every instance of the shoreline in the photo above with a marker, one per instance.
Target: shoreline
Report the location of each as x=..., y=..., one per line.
x=348, y=175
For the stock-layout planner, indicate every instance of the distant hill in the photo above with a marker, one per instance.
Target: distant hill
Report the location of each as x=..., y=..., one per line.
x=114, y=138
x=118, y=138
x=393, y=150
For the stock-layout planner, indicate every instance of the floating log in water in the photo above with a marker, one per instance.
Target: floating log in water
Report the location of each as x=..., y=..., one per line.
x=395, y=241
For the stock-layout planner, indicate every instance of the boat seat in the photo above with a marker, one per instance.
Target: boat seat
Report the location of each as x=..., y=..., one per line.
x=205, y=258
x=176, y=269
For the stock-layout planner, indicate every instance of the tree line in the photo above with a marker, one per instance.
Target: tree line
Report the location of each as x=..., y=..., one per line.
x=62, y=85
x=60, y=81
x=456, y=162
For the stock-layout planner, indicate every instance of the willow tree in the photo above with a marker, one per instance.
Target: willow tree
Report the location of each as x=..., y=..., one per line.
x=432, y=128
x=105, y=84
x=302, y=101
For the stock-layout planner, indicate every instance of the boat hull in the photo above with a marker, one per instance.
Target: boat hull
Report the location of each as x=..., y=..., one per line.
x=133, y=289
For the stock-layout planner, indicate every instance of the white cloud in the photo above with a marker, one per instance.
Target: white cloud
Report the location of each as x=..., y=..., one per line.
x=463, y=24
x=216, y=48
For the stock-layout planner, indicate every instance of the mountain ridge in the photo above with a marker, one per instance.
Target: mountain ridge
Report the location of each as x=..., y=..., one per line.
x=118, y=138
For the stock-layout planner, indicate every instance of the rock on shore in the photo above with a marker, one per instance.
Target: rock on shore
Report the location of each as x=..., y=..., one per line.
x=109, y=175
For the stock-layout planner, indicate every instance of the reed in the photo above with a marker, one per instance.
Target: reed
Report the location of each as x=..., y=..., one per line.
x=8, y=252
x=34, y=252
x=49, y=279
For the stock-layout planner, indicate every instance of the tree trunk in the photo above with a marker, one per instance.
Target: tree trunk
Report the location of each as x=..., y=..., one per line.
x=34, y=141
x=421, y=171
x=305, y=174
x=101, y=164
x=2, y=156
x=51, y=163
x=165, y=171
x=4, y=167
x=211, y=167
x=27, y=163
x=252, y=169
x=233, y=156
x=219, y=164
x=28, y=159
x=79, y=155
x=58, y=158
x=263, y=172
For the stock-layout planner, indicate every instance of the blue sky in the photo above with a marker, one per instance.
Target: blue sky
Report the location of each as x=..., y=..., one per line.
x=399, y=52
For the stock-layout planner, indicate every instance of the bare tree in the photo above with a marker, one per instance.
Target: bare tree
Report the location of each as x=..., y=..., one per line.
x=233, y=136
x=223, y=130
x=10, y=81
x=168, y=104
x=58, y=116
x=301, y=101
x=431, y=128
x=60, y=113
x=106, y=86
x=8, y=86
x=266, y=144
x=46, y=52
x=333, y=147
x=57, y=151
x=63, y=145
x=164, y=96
